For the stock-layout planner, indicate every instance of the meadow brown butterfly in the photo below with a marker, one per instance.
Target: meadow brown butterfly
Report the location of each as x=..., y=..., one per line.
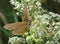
x=19, y=28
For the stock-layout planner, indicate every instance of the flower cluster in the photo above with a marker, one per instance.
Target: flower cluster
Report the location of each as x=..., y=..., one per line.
x=16, y=40
x=45, y=26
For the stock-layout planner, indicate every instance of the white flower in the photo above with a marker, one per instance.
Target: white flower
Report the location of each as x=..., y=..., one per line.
x=17, y=13
x=52, y=42
x=27, y=0
x=51, y=13
x=58, y=23
x=46, y=16
x=28, y=38
x=17, y=5
x=12, y=40
x=56, y=27
x=57, y=14
x=38, y=3
x=59, y=32
x=47, y=42
x=53, y=23
x=12, y=2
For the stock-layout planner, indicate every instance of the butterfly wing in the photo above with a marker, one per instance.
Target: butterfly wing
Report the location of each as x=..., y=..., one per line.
x=25, y=13
x=20, y=31
x=13, y=26
x=18, y=27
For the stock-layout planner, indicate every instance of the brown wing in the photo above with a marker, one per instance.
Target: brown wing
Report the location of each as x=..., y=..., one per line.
x=14, y=26
x=21, y=30
x=18, y=28
x=25, y=13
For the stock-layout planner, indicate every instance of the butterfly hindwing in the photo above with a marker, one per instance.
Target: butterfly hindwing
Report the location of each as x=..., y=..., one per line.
x=21, y=30
x=24, y=28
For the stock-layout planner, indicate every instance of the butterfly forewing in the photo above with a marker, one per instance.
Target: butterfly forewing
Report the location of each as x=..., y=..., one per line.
x=25, y=13
x=13, y=26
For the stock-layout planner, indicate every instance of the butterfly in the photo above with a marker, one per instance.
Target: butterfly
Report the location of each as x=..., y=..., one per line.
x=19, y=28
